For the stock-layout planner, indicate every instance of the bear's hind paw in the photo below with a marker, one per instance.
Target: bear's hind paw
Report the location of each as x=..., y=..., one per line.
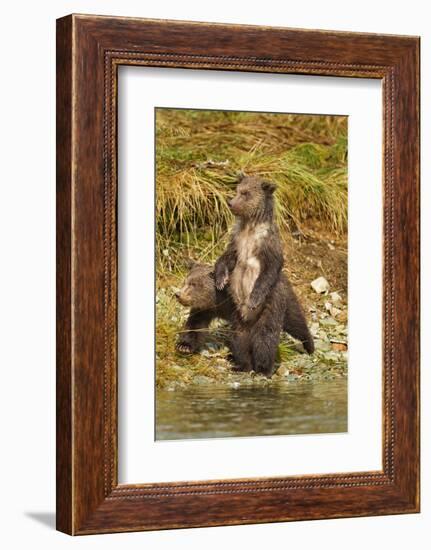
x=184, y=348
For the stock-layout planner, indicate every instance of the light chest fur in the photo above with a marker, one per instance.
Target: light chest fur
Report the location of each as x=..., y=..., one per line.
x=248, y=242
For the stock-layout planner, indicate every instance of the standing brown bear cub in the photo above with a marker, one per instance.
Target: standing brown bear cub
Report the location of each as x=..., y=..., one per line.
x=252, y=264
x=250, y=289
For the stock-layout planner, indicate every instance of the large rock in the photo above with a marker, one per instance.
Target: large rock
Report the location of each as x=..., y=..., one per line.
x=320, y=285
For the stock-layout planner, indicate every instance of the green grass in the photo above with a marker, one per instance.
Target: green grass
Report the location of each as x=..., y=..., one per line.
x=199, y=155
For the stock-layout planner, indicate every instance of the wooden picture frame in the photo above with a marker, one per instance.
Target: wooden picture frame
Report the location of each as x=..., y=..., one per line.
x=89, y=51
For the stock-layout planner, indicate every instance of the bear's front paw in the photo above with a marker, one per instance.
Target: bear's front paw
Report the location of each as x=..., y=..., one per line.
x=254, y=302
x=221, y=278
x=186, y=349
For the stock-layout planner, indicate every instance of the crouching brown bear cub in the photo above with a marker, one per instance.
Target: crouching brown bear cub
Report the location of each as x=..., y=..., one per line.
x=252, y=265
x=206, y=303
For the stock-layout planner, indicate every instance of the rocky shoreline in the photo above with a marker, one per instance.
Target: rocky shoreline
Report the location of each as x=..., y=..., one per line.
x=212, y=366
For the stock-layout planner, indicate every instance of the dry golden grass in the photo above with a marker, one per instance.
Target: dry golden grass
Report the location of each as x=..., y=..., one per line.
x=200, y=154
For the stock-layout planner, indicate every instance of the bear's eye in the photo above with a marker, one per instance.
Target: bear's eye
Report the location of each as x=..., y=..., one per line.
x=245, y=194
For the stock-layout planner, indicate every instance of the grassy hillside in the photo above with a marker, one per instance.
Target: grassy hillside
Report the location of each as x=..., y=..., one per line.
x=199, y=155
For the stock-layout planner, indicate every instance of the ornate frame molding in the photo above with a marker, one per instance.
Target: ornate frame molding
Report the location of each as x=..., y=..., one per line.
x=90, y=49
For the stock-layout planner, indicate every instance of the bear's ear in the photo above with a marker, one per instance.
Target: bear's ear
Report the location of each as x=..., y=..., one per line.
x=269, y=187
x=240, y=176
x=190, y=263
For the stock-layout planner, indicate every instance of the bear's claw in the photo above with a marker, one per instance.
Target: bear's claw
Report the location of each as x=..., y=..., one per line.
x=184, y=348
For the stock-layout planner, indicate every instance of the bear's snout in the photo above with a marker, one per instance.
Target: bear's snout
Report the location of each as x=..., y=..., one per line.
x=233, y=205
x=183, y=297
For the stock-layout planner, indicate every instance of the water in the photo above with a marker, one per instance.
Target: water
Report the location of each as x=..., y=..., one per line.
x=278, y=408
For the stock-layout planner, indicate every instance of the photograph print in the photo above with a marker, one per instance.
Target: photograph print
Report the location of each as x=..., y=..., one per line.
x=251, y=274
